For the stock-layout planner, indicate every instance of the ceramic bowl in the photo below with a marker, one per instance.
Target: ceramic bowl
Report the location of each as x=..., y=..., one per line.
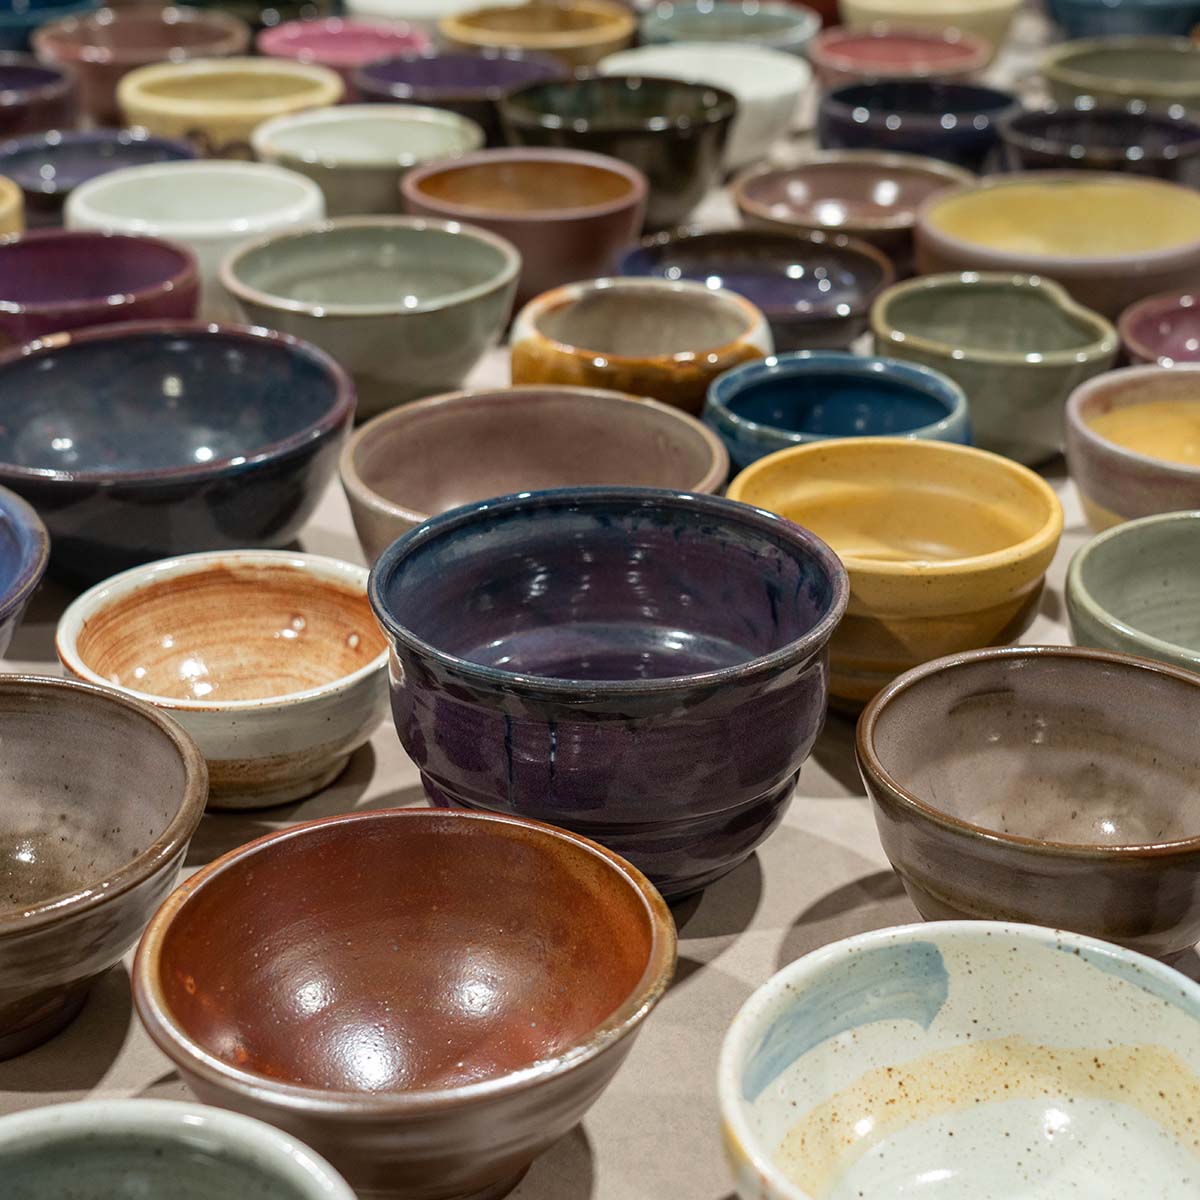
x=1034, y=783
x=139, y=441
x=947, y=546
x=34, y=97
x=428, y=457
x=1108, y=239
x=1159, y=71
x=419, y=14
x=1095, y=18
x=673, y=132
x=935, y=117
x=100, y=48
x=275, y=714
x=407, y=305
x=844, y=54
x=24, y=552
x=92, y=836
x=262, y=14
x=1163, y=329
x=986, y=19
x=55, y=280
x=791, y=399
x=12, y=207
x=216, y=103
x=771, y=23
x=663, y=338
x=815, y=289
x=646, y=667
x=17, y=23
x=1133, y=443
x=569, y=213
x=578, y=35
x=509, y=980
x=358, y=153
x=768, y=85
x=210, y=207
x=954, y=1050
x=1016, y=344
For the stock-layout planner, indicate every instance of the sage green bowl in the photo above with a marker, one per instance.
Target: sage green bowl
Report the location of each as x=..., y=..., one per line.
x=1110, y=72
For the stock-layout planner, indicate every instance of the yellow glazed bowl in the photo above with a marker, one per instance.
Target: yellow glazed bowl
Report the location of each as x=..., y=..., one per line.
x=578, y=34
x=12, y=207
x=946, y=546
x=989, y=19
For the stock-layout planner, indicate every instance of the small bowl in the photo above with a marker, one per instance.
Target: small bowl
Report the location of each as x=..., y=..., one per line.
x=792, y=399
x=844, y=54
x=647, y=665
x=140, y=441
x=815, y=289
x=1163, y=329
x=34, y=97
x=428, y=457
x=775, y=25
x=673, y=132
x=986, y=19
x=951, y=1050
x=210, y=207
x=1161, y=72
x=1133, y=443
x=12, y=207
x=17, y=24
x=407, y=305
x=276, y=715
x=105, y=796
x=558, y=951
x=663, y=338
x=1130, y=18
x=102, y=47
x=935, y=117
x=569, y=213
x=24, y=553
x=947, y=546
x=358, y=153
x=1034, y=783
x=1018, y=345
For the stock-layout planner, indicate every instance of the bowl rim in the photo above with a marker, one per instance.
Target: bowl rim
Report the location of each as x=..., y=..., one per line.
x=294, y=38
x=947, y=11
x=828, y=50
x=370, y=85
x=1163, y=304
x=170, y=843
x=152, y=1007
x=34, y=17
x=35, y=552
x=612, y=20
x=778, y=74
x=804, y=22
x=57, y=85
x=870, y=763
x=1056, y=65
x=834, y=103
x=1013, y=130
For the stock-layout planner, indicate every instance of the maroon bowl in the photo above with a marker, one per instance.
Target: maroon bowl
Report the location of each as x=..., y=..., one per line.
x=34, y=97
x=1162, y=329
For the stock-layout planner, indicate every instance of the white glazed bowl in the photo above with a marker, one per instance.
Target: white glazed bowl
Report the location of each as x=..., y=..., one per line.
x=971, y=1060
x=211, y=206
x=421, y=14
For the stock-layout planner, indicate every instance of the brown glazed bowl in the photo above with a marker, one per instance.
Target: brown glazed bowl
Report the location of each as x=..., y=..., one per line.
x=427, y=998
x=102, y=795
x=1045, y=784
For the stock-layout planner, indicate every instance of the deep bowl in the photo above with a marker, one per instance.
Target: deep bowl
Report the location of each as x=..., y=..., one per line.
x=24, y=553
x=139, y=441
x=987, y=19
x=769, y=23
x=1035, y=783
x=1163, y=329
x=578, y=35
x=92, y=836
x=845, y=54
x=497, y=981
x=1097, y=18
x=33, y=97
x=1159, y=71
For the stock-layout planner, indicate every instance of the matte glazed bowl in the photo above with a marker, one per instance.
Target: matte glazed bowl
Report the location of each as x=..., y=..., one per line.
x=1159, y=71
x=947, y=546
x=792, y=399
x=433, y=455
x=1162, y=329
x=568, y=213
x=667, y=339
x=16, y=24
x=1016, y=344
x=407, y=305
x=1042, y=1062
x=844, y=54
x=1037, y=783
x=775, y=25
x=104, y=794
x=646, y=667
x=24, y=552
x=986, y=19
x=1098, y=18
x=138, y=441
x=815, y=289
x=495, y=981
x=12, y=207
x=34, y=97
x=673, y=132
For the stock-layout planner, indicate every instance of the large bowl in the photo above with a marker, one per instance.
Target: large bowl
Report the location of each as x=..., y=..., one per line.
x=1162, y=329
x=1161, y=72
x=34, y=97
x=646, y=667
x=1035, y=783
x=845, y=54
x=1100, y=18
x=987, y=19
x=395, y=987
x=24, y=553
x=769, y=23
x=577, y=35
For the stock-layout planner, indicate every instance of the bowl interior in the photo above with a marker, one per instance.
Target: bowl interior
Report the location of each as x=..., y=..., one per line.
x=1166, y=329
x=18, y=77
x=373, y=135
x=618, y=102
x=536, y=19
x=449, y=73
x=1156, y=415
x=1113, y=130
x=129, y=30
x=231, y=85
x=1158, y=63
x=923, y=98
x=526, y=185
x=342, y=43
x=719, y=22
x=62, y=162
x=881, y=50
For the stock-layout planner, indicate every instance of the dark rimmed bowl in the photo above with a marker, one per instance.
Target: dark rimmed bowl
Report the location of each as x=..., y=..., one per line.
x=645, y=667
x=24, y=553
x=496, y=982
x=1163, y=329
x=34, y=97
x=140, y=441
x=1046, y=784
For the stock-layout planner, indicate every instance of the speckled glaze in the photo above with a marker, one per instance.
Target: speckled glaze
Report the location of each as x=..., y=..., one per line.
x=1163, y=329
x=947, y=546
x=777, y=26
x=1016, y=344
x=34, y=97
x=101, y=796
x=845, y=54
x=578, y=36
x=645, y=667
x=1037, y=783
x=24, y=553
x=988, y=19
x=979, y=1058
x=431, y=1055
x=1096, y=18
x=1159, y=71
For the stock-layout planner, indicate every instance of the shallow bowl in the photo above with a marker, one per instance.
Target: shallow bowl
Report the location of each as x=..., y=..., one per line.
x=24, y=553
x=775, y=25
x=990, y=20
x=1161, y=72
x=34, y=96
x=1163, y=329
x=845, y=54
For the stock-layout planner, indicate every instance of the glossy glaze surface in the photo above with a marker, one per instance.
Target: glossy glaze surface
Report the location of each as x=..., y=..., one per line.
x=1159, y=71
x=845, y=54
x=36, y=97
x=778, y=26
x=12, y=207
x=1095, y=18
x=578, y=36
x=1163, y=330
x=16, y=24
x=24, y=552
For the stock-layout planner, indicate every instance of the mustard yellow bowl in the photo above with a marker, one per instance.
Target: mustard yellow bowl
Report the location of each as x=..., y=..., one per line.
x=12, y=207
x=946, y=546
x=578, y=34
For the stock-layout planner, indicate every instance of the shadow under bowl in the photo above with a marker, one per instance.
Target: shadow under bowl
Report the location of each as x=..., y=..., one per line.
x=1163, y=330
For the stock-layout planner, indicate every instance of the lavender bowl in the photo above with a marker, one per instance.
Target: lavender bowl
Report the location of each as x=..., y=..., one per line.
x=648, y=668
x=1163, y=329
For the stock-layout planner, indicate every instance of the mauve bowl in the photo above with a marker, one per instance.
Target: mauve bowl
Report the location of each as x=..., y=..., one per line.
x=645, y=667
x=16, y=25
x=775, y=25
x=843, y=55
x=1040, y=784
x=1161, y=72
x=104, y=794
x=1163, y=329
x=139, y=441
x=466, y=974
x=24, y=553
x=1102, y=18
x=34, y=97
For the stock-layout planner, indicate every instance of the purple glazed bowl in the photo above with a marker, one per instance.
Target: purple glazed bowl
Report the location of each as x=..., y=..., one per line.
x=648, y=668
x=1163, y=329
x=34, y=97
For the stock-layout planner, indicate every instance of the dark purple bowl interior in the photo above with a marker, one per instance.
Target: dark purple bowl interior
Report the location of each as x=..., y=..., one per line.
x=427, y=76
x=20, y=77
x=55, y=163
x=1155, y=135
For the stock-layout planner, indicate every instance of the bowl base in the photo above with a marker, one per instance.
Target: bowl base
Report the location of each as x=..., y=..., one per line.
x=494, y=1191
x=231, y=788
x=52, y=1019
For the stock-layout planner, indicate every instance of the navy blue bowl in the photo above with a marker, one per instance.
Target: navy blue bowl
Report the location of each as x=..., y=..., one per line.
x=648, y=668
x=783, y=401
x=1118, y=18
x=149, y=439
x=24, y=552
